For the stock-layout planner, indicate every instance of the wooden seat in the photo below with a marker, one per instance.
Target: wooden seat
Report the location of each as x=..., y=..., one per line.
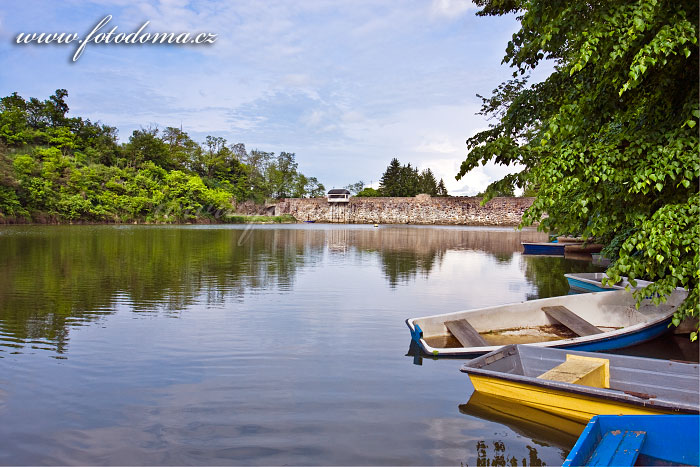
x=465, y=333
x=586, y=371
x=618, y=448
x=568, y=318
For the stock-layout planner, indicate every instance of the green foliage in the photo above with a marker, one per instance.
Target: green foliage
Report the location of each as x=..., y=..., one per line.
x=59, y=168
x=355, y=188
x=405, y=180
x=610, y=138
x=369, y=192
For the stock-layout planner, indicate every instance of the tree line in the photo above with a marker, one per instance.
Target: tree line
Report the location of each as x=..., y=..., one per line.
x=59, y=168
x=402, y=180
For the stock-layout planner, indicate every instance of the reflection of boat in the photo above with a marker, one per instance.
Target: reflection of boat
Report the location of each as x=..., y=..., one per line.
x=562, y=382
x=543, y=248
x=535, y=424
x=595, y=321
x=592, y=282
x=638, y=440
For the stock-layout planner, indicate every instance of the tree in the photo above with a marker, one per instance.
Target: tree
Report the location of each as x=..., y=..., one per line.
x=427, y=183
x=355, y=188
x=610, y=138
x=281, y=174
x=369, y=192
x=390, y=183
x=144, y=145
x=441, y=190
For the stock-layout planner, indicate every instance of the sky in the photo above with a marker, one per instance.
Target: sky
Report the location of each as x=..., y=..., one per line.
x=345, y=85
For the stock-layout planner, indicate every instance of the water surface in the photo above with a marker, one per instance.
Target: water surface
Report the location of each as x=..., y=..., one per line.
x=266, y=345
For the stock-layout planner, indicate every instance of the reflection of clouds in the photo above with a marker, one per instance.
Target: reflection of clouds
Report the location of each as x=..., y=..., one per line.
x=454, y=439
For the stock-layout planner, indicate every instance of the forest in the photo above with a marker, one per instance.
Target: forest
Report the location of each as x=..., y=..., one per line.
x=56, y=168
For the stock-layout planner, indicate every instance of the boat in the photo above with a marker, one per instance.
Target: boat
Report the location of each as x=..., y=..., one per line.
x=578, y=385
x=581, y=248
x=593, y=282
x=544, y=248
x=538, y=425
x=592, y=321
x=638, y=440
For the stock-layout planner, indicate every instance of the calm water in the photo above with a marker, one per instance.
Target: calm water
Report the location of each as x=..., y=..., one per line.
x=271, y=345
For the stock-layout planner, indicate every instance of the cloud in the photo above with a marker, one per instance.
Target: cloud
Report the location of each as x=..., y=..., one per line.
x=346, y=85
x=451, y=8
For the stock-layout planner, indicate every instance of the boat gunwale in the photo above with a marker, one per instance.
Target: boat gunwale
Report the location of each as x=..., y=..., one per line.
x=588, y=391
x=558, y=343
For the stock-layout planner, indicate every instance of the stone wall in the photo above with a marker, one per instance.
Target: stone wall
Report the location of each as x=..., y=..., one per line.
x=455, y=210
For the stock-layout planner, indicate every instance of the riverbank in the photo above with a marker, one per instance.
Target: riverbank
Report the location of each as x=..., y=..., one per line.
x=224, y=219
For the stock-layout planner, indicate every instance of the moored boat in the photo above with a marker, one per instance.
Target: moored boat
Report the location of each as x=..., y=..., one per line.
x=544, y=248
x=579, y=385
x=594, y=321
x=638, y=440
x=593, y=282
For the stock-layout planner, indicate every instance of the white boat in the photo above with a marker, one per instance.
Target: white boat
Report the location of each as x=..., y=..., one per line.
x=591, y=321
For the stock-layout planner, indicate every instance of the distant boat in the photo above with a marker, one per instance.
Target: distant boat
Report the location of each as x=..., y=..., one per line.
x=592, y=321
x=579, y=385
x=310, y=222
x=593, y=282
x=544, y=248
x=638, y=440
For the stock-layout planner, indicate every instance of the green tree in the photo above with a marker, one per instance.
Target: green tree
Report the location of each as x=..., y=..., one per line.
x=355, y=188
x=427, y=183
x=441, y=190
x=390, y=183
x=610, y=138
x=145, y=145
x=369, y=192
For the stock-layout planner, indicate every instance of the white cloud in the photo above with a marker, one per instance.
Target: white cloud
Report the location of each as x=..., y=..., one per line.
x=451, y=8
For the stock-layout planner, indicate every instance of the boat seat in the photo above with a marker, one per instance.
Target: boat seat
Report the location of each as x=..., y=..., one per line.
x=568, y=318
x=577, y=369
x=465, y=333
x=618, y=448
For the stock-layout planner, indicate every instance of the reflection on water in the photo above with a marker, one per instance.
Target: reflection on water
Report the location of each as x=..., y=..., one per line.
x=223, y=345
x=498, y=455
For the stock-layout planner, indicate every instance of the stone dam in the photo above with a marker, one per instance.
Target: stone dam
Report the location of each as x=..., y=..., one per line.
x=423, y=209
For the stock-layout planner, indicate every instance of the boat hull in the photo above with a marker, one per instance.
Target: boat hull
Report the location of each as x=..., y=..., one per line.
x=627, y=326
x=553, y=381
x=563, y=404
x=554, y=249
x=655, y=449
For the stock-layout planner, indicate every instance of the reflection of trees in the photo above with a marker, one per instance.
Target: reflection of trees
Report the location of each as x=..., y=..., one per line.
x=499, y=456
x=546, y=274
x=56, y=277
x=406, y=252
x=60, y=276
x=402, y=266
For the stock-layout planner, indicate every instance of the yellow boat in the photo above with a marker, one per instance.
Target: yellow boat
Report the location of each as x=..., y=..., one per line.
x=578, y=385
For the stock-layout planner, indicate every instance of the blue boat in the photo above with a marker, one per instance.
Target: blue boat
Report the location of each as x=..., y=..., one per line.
x=584, y=282
x=638, y=440
x=544, y=248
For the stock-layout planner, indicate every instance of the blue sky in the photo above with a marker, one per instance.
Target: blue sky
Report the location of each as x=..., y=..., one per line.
x=346, y=85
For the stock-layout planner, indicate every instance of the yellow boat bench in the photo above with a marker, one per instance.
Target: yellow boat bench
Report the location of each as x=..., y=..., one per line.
x=586, y=371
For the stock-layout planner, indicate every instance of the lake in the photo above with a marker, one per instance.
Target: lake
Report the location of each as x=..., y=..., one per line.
x=270, y=344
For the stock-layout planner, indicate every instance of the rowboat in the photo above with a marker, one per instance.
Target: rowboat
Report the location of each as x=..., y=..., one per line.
x=593, y=282
x=540, y=426
x=544, y=248
x=638, y=440
x=592, y=321
x=579, y=385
